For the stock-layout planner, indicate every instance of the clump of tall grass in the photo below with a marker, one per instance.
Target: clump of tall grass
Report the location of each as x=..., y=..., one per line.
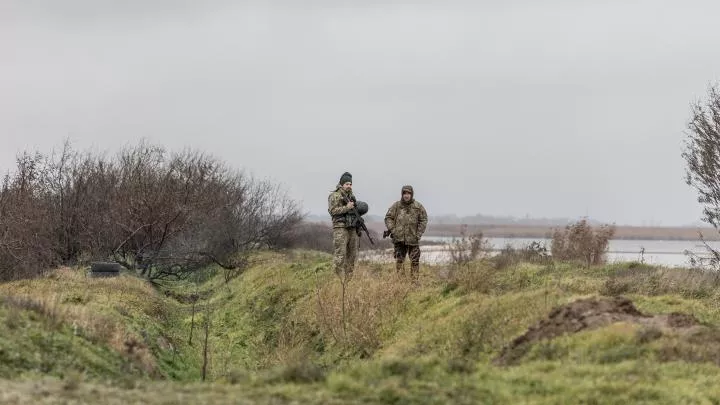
x=373, y=302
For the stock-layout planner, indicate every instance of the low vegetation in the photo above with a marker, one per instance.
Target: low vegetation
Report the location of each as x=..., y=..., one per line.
x=277, y=334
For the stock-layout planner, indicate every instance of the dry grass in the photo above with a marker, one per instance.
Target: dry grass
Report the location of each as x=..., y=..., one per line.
x=476, y=277
x=373, y=302
x=650, y=281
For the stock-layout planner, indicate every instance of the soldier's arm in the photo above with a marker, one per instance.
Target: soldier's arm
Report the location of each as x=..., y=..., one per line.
x=390, y=217
x=336, y=206
x=422, y=220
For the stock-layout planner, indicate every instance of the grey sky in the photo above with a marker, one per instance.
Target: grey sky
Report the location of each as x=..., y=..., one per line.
x=563, y=108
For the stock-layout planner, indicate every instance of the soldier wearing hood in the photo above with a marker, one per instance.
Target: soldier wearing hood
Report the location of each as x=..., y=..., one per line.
x=406, y=220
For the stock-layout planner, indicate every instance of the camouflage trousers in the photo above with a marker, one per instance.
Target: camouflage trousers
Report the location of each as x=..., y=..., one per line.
x=413, y=252
x=346, y=244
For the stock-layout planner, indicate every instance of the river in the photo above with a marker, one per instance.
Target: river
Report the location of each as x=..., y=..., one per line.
x=669, y=253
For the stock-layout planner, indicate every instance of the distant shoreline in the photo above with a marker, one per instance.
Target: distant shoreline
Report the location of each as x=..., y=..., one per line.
x=537, y=231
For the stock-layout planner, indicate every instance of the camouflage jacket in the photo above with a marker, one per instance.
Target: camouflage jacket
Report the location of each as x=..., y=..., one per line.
x=337, y=206
x=406, y=221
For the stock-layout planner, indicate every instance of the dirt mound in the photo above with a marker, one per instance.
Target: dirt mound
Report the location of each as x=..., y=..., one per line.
x=587, y=314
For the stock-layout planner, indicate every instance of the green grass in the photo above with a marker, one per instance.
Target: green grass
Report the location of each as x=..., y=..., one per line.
x=413, y=381
x=103, y=327
x=277, y=335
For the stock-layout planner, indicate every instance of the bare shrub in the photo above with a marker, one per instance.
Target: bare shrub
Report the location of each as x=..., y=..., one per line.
x=163, y=214
x=180, y=212
x=580, y=242
x=27, y=242
x=468, y=248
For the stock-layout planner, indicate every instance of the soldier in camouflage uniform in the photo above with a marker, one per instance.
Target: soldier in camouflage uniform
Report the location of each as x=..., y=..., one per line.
x=406, y=220
x=346, y=241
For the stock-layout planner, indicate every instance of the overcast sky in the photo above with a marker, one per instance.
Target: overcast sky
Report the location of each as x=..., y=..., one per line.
x=552, y=109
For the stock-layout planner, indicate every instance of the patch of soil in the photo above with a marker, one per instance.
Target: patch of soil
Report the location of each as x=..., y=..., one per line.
x=588, y=314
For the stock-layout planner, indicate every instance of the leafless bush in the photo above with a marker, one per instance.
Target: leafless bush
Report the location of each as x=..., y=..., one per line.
x=27, y=242
x=579, y=241
x=467, y=248
x=162, y=214
x=200, y=212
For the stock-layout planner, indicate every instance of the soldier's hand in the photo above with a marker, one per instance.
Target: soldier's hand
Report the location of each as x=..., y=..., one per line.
x=350, y=204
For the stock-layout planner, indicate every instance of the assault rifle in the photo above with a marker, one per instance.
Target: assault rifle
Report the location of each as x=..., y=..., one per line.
x=356, y=219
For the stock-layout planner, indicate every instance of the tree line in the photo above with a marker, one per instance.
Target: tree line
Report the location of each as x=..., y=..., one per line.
x=162, y=214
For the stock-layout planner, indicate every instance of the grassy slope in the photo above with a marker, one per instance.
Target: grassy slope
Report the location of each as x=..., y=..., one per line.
x=104, y=328
x=277, y=335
